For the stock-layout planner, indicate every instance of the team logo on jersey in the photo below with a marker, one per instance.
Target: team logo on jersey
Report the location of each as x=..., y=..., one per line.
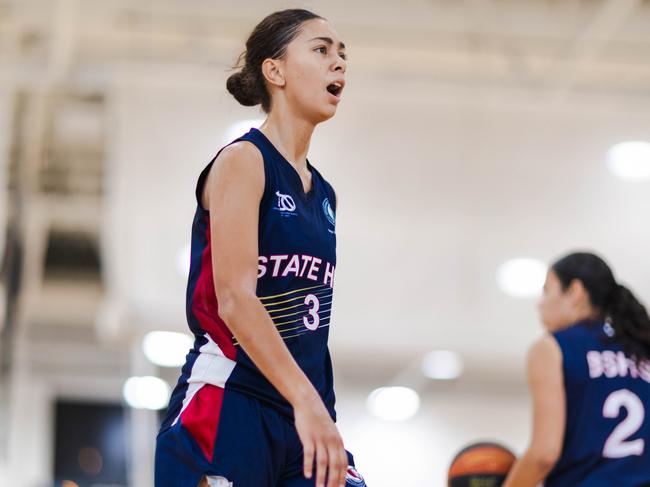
x=218, y=482
x=353, y=477
x=285, y=205
x=329, y=212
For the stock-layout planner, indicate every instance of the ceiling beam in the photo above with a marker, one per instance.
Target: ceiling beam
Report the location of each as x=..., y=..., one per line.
x=583, y=53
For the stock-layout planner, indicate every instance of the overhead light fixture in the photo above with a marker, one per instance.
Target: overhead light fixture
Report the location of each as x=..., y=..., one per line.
x=630, y=161
x=167, y=348
x=521, y=278
x=393, y=403
x=146, y=393
x=442, y=365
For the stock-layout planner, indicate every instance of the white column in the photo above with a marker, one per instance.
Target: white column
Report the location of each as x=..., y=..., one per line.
x=143, y=426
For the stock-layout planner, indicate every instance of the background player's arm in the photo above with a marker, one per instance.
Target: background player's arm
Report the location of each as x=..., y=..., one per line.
x=232, y=194
x=546, y=381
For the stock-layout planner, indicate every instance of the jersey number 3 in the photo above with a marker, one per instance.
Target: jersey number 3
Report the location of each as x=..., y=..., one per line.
x=312, y=321
x=617, y=445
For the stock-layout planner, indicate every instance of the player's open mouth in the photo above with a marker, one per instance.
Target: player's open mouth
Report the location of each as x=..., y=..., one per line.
x=335, y=88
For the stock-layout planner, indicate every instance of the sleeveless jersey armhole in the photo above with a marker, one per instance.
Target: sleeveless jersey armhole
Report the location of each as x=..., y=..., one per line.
x=267, y=195
x=329, y=189
x=332, y=196
x=200, y=184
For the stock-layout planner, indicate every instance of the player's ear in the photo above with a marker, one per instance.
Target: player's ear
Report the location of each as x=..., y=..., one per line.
x=577, y=291
x=272, y=69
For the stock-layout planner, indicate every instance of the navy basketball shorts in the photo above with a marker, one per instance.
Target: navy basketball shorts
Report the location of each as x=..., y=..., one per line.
x=233, y=440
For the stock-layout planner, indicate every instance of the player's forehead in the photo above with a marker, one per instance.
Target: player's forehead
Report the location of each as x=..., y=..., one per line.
x=316, y=30
x=552, y=280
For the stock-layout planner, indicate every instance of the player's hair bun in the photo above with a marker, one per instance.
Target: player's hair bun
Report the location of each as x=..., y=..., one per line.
x=244, y=87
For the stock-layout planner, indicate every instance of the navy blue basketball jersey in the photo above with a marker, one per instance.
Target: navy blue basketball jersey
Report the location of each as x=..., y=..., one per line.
x=297, y=259
x=607, y=434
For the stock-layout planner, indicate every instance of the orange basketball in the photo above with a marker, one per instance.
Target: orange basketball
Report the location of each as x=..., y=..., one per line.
x=481, y=465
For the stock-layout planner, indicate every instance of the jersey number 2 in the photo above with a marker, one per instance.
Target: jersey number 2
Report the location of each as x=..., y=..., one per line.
x=617, y=445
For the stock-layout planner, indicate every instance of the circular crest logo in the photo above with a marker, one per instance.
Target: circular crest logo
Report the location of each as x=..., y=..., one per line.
x=329, y=212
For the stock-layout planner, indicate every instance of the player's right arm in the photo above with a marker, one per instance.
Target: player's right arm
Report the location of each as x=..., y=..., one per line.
x=232, y=193
x=546, y=382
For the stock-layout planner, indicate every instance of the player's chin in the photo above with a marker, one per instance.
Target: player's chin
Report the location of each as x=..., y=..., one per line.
x=325, y=112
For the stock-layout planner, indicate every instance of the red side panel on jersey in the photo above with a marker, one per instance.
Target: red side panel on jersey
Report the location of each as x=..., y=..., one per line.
x=204, y=302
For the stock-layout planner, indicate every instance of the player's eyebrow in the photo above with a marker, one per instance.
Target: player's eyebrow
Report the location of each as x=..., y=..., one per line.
x=328, y=40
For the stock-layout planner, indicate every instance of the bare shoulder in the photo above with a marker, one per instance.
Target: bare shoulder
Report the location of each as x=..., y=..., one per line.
x=544, y=355
x=545, y=347
x=239, y=157
x=243, y=150
x=239, y=165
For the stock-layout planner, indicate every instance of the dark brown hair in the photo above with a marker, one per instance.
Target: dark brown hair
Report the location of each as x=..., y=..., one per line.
x=616, y=303
x=268, y=40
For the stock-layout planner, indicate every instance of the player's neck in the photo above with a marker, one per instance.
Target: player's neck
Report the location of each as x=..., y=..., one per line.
x=586, y=312
x=581, y=315
x=290, y=136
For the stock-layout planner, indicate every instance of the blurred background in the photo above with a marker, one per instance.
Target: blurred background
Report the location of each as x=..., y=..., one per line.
x=477, y=141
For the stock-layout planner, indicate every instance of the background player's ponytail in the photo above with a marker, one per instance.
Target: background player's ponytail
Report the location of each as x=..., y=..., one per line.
x=268, y=40
x=627, y=316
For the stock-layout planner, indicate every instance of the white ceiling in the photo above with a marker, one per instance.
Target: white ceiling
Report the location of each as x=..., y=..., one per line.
x=471, y=132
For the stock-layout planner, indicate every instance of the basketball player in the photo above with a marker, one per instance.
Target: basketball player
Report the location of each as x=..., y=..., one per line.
x=590, y=383
x=254, y=406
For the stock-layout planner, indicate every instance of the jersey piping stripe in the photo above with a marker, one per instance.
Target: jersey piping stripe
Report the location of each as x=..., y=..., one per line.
x=302, y=311
x=262, y=298
x=296, y=328
x=297, y=305
x=304, y=314
x=305, y=330
x=298, y=297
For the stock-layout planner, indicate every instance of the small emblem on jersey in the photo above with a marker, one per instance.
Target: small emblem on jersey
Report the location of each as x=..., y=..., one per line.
x=329, y=212
x=286, y=205
x=352, y=477
x=218, y=482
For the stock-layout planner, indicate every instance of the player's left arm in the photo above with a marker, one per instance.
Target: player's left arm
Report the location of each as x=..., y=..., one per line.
x=546, y=382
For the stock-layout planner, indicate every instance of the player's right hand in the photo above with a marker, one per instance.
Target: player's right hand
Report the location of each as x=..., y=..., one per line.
x=322, y=444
